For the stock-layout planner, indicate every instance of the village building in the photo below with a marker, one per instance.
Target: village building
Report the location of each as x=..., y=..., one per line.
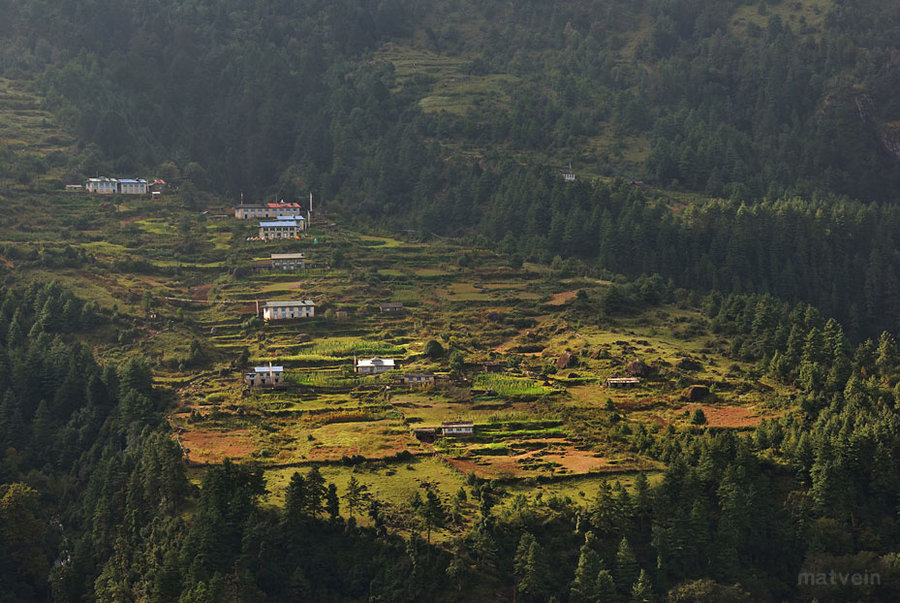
x=373, y=366
x=417, y=378
x=288, y=261
x=74, y=188
x=391, y=308
x=623, y=381
x=265, y=376
x=101, y=186
x=287, y=310
x=281, y=229
x=116, y=186
x=457, y=428
x=252, y=211
x=129, y=186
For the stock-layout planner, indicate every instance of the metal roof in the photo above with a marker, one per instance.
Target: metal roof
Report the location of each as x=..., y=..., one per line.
x=287, y=256
x=277, y=224
x=266, y=369
x=290, y=218
x=376, y=362
x=289, y=304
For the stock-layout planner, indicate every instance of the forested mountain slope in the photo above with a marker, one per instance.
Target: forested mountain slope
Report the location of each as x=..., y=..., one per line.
x=734, y=98
x=430, y=115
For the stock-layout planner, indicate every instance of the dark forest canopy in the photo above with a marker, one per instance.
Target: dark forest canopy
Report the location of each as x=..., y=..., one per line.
x=283, y=97
x=94, y=492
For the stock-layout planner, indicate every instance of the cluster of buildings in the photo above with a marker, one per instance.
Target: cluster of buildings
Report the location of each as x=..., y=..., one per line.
x=285, y=221
x=277, y=220
x=272, y=376
x=119, y=186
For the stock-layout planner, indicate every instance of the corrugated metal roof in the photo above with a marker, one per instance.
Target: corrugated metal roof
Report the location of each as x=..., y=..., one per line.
x=265, y=369
x=277, y=224
x=376, y=362
x=289, y=304
x=287, y=256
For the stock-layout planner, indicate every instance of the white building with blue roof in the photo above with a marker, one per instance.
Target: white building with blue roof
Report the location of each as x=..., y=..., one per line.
x=289, y=228
x=116, y=186
x=266, y=376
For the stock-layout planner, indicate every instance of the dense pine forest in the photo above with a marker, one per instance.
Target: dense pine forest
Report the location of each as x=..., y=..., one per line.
x=736, y=159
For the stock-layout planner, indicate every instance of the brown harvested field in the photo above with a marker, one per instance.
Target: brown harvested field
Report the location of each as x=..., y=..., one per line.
x=200, y=293
x=581, y=461
x=570, y=462
x=559, y=457
x=203, y=446
x=727, y=416
x=559, y=299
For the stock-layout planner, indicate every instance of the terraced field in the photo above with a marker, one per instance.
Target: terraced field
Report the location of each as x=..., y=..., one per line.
x=544, y=418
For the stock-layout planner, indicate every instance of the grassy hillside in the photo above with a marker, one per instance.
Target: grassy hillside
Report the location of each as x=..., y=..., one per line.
x=35, y=151
x=180, y=292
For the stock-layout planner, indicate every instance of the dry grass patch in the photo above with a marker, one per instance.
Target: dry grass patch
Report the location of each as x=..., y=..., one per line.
x=211, y=447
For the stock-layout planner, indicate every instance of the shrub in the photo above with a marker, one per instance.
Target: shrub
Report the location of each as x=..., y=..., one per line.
x=433, y=349
x=698, y=417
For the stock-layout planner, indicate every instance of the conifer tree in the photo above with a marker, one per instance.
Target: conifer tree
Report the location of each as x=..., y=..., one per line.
x=332, y=503
x=626, y=569
x=584, y=585
x=315, y=492
x=642, y=590
x=432, y=512
x=531, y=568
x=355, y=494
